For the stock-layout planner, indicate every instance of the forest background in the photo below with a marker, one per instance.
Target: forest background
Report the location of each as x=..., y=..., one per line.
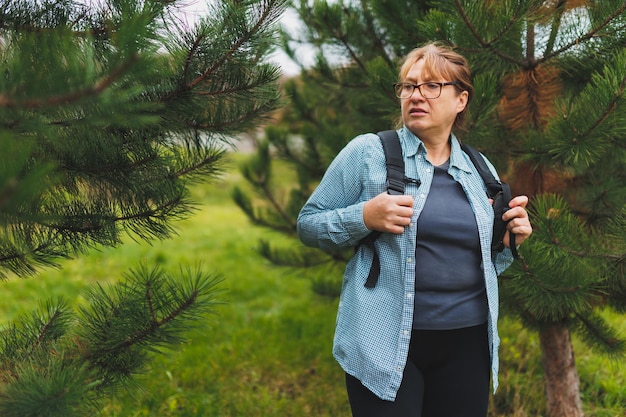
x=247, y=366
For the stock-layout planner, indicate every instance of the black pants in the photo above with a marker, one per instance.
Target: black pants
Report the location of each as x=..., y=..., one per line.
x=446, y=375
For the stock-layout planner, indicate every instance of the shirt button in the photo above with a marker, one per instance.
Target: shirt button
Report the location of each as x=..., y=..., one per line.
x=409, y=260
x=422, y=195
x=399, y=368
x=409, y=295
x=406, y=332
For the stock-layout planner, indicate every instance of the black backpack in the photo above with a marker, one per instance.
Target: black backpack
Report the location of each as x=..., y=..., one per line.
x=498, y=191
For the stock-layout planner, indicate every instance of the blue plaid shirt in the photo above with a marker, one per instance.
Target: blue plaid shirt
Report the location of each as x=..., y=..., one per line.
x=374, y=324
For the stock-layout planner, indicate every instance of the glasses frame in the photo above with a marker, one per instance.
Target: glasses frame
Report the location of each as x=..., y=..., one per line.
x=419, y=88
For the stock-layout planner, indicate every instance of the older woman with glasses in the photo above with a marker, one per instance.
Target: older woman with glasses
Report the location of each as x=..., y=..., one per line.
x=423, y=341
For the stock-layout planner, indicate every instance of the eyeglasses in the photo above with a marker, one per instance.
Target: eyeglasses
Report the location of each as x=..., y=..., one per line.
x=429, y=90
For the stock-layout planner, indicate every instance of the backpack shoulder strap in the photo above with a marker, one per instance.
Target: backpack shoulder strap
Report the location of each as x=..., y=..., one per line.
x=395, y=185
x=493, y=185
x=393, y=160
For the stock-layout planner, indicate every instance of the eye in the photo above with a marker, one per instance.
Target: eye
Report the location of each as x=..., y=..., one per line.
x=431, y=86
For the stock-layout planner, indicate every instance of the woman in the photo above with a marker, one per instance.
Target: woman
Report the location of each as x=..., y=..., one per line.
x=422, y=342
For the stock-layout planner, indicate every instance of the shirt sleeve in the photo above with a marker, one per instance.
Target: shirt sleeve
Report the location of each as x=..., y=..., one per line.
x=503, y=260
x=332, y=218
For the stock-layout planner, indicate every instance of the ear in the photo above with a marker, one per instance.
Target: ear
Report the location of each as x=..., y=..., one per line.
x=463, y=97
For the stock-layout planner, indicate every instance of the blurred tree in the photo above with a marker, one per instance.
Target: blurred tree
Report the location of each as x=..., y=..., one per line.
x=550, y=112
x=108, y=112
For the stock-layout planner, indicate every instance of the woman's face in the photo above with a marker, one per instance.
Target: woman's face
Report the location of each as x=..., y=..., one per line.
x=431, y=119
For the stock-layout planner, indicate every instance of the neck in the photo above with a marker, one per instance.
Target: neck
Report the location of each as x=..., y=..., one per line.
x=438, y=151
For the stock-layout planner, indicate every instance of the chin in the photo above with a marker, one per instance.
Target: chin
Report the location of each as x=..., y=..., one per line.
x=416, y=128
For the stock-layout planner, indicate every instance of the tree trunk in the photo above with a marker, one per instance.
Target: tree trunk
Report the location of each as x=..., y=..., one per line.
x=561, y=376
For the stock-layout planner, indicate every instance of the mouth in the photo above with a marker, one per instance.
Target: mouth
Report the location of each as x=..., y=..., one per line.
x=416, y=111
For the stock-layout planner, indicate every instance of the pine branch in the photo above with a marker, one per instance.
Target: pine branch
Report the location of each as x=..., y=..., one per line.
x=555, y=240
x=87, y=224
x=242, y=118
x=49, y=368
x=20, y=262
x=528, y=271
x=193, y=48
x=590, y=122
x=559, y=10
x=155, y=323
x=268, y=15
x=597, y=332
x=372, y=34
x=234, y=89
x=45, y=330
x=609, y=109
x=99, y=87
x=208, y=162
x=489, y=45
x=593, y=252
x=258, y=173
x=143, y=312
x=584, y=38
x=342, y=37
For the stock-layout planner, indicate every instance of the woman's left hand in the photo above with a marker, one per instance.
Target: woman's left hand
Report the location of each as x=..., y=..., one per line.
x=519, y=223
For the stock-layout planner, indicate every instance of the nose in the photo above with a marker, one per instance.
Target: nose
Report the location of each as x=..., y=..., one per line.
x=417, y=91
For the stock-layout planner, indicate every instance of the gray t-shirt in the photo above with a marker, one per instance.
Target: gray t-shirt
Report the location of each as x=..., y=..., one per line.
x=449, y=284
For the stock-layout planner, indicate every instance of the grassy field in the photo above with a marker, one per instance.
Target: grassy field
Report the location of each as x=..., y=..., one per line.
x=268, y=350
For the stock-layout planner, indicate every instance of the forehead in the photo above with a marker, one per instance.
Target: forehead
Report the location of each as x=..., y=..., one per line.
x=418, y=73
x=427, y=68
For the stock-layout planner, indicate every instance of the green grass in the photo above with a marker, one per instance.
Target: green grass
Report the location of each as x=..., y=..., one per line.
x=268, y=349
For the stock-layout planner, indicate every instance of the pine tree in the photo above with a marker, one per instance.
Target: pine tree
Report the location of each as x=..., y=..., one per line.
x=550, y=113
x=108, y=113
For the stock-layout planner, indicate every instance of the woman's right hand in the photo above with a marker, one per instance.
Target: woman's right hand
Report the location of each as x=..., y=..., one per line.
x=388, y=213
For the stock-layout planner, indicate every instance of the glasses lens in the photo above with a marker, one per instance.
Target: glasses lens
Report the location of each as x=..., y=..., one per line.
x=403, y=90
x=430, y=90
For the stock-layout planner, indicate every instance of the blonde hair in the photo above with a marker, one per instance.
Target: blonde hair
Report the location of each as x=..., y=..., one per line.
x=442, y=63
